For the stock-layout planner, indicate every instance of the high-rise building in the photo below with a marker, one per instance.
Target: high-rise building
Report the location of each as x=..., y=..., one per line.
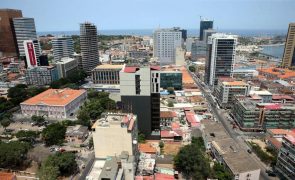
x=165, y=43
x=41, y=76
x=31, y=55
x=89, y=47
x=207, y=33
x=139, y=89
x=24, y=29
x=204, y=25
x=66, y=66
x=8, y=46
x=285, y=162
x=221, y=57
x=289, y=53
x=62, y=47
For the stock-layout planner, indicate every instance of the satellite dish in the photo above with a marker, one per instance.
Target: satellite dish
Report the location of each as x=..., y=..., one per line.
x=134, y=141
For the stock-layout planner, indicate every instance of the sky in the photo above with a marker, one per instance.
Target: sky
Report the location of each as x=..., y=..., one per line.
x=65, y=15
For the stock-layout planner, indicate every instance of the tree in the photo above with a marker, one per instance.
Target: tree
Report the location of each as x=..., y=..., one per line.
x=5, y=123
x=48, y=172
x=170, y=90
x=27, y=134
x=54, y=134
x=18, y=94
x=170, y=104
x=161, y=146
x=220, y=172
x=77, y=76
x=192, y=162
x=38, y=119
x=141, y=138
x=83, y=117
x=65, y=162
x=13, y=154
x=192, y=68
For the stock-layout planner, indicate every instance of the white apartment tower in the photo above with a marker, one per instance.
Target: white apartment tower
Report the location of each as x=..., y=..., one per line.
x=24, y=29
x=165, y=43
x=89, y=46
x=62, y=47
x=221, y=58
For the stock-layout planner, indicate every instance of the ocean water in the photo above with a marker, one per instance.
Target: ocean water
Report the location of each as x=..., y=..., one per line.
x=276, y=50
x=190, y=32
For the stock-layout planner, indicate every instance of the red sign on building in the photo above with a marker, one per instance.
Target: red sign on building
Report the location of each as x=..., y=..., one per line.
x=31, y=53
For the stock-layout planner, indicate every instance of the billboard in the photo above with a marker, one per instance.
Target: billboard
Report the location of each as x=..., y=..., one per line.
x=31, y=59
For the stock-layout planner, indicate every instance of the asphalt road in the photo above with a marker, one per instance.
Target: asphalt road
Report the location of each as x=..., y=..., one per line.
x=232, y=133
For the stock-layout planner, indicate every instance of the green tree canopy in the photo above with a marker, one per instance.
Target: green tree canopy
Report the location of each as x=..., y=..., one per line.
x=13, y=154
x=5, y=123
x=48, y=172
x=192, y=68
x=38, y=119
x=192, y=162
x=54, y=134
x=65, y=162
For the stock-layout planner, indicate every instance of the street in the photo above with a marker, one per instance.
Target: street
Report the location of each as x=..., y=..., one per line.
x=220, y=115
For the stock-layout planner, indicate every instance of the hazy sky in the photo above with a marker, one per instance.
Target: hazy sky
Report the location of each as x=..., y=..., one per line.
x=63, y=15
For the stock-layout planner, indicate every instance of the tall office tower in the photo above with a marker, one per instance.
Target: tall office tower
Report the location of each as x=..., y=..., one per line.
x=62, y=47
x=207, y=33
x=183, y=34
x=8, y=46
x=165, y=43
x=139, y=89
x=205, y=24
x=289, y=53
x=24, y=29
x=221, y=57
x=89, y=46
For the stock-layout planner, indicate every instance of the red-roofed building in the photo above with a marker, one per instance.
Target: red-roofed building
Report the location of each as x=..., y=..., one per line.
x=160, y=176
x=166, y=118
x=191, y=119
x=151, y=177
x=277, y=98
x=147, y=148
x=171, y=135
x=7, y=176
x=175, y=126
x=274, y=143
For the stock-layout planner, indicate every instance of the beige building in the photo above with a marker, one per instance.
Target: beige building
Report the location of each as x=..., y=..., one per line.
x=237, y=160
x=54, y=103
x=289, y=53
x=115, y=133
x=106, y=74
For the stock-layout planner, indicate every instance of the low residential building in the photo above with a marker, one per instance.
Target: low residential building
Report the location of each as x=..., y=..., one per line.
x=7, y=176
x=286, y=158
x=117, y=167
x=54, y=103
x=76, y=134
x=252, y=116
x=277, y=73
x=138, y=54
x=114, y=133
x=226, y=90
x=166, y=118
x=66, y=66
x=244, y=73
x=265, y=95
x=106, y=74
x=42, y=75
x=237, y=160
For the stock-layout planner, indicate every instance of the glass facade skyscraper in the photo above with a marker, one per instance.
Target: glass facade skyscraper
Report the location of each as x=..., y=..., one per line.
x=204, y=25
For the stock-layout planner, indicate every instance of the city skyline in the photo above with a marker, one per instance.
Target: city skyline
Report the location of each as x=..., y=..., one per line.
x=144, y=14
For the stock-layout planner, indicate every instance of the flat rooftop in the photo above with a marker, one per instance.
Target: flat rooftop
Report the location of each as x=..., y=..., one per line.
x=117, y=119
x=234, y=83
x=237, y=159
x=109, y=66
x=214, y=130
x=55, y=97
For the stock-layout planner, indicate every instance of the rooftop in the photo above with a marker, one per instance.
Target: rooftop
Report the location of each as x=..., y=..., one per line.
x=167, y=114
x=278, y=72
x=234, y=83
x=236, y=159
x=291, y=138
x=6, y=176
x=55, y=97
x=147, y=148
x=109, y=66
x=121, y=120
x=77, y=130
x=65, y=60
